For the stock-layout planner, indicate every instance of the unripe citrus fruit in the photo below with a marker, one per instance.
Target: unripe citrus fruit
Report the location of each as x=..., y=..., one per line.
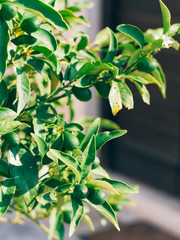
x=96, y=196
x=147, y=65
x=8, y=11
x=30, y=25
x=81, y=191
x=71, y=142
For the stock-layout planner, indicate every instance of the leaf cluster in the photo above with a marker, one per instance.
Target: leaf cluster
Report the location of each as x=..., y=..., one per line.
x=49, y=166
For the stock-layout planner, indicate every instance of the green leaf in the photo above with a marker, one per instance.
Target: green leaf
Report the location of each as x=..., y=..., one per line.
x=12, y=139
x=106, y=210
x=96, y=183
x=133, y=32
x=73, y=127
x=4, y=93
x=7, y=191
x=68, y=160
x=92, y=68
x=64, y=188
x=52, y=223
x=23, y=89
x=45, y=11
x=42, y=145
x=45, y=198
x=46, y=38
x=36, y=64
x=142, y=77
x=166, y=17
x=126, y=95
x=39, y=126
x=4, y=168
x=24, y=170
x=156, y=45
x=101, y=172
x=50, y=60
x=93, y=129
x=58, y=143
x=120, y=186
x=105, y=123
x=7, y=114
x=134, y=78
x=84, y=81
x=78, y=211
x=53, y=157
x=82, y=44
x=115, y=99
x=161, y=78
x=9, y=126
x=4, y=36
x=53, y=183
x=60, y=227
x=104, y=137
x=174, y=29
x=88, y=157
x=113, y=46
x=54, y=81
x=24, y=40
x=102, y=38
x=71, y=18
x=134, y=57
x=143, y=91
x=88, y=221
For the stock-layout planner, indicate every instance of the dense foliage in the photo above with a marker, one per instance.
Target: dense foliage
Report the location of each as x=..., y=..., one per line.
x=49, y=167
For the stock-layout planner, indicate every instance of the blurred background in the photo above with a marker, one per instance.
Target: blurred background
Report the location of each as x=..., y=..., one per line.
x=150, y=151
x=149, y=155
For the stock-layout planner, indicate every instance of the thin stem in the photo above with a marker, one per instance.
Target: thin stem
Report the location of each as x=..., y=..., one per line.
x=49, y=99
x=57, y=98
x=58, y=90
x=45, y=229
x=30, y=108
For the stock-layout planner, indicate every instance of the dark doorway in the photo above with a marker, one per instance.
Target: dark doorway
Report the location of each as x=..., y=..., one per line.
x=150, y=151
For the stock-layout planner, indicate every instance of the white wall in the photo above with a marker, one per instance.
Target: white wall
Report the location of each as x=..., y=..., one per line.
x=91, y=108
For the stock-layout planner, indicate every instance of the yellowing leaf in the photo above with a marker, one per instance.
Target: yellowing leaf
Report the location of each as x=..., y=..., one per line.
x=115, y=98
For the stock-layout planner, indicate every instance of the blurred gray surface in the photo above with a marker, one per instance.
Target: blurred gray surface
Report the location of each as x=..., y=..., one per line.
x=152, y=207
x=27, y=231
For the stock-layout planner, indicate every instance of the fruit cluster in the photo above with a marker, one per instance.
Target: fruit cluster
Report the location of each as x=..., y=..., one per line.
x=28, y=25
x=94, y=195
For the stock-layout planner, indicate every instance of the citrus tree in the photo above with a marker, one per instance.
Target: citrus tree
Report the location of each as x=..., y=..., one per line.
x=49, y=168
